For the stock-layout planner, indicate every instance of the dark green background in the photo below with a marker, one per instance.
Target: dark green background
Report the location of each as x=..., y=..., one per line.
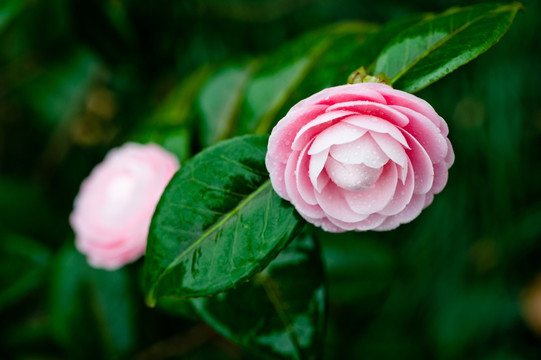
x=78, y=77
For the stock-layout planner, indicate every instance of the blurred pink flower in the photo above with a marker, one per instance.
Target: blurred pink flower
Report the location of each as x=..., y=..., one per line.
x=113, y=209
x=360, y=157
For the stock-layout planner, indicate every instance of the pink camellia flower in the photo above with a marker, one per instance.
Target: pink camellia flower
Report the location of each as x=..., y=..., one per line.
x=113, y=209
x=360, y=157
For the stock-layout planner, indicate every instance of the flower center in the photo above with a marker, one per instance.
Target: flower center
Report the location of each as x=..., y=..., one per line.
x=119, y=192
x=353, y=177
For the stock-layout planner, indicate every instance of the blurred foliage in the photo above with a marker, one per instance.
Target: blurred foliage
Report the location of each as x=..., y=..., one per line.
x=79, y=77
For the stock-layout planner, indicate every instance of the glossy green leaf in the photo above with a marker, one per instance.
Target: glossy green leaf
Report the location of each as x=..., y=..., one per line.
x=92, y=310
x=347, y=52
x=278, y=75
x=218, y=222
x=27, y=259
x=220, y=99
x=250, y=96
x=280, y=313
x=359, y=44
x=302, y=68
x=424, y=53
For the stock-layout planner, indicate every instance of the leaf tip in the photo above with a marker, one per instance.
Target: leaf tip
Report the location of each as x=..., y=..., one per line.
x=519, y=6
x=151, y=299
x=514, y=6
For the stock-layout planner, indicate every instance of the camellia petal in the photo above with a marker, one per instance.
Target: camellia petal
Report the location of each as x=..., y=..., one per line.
x=352, y=177
x=374, y=199
x=113, y=209
x=375, y=124
x=333, y=203
x=428, y=134
x=410, y=212
x=304, y=184
x=315, y=127
x=340, y=133
x=370, y=108
x=317, y=164
x=401, y=197
x=371, y=157
x=293, y=191
x=422, y=166
x=330, y=98
x=361, y=151
x=401, y=98
x=340, y=94
x=391, y=148
x=440, y=177
x=450, y=157
x=289, y=127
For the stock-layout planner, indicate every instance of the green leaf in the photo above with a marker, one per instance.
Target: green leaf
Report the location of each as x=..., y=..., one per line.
x=278, y=75
x=218, y=222
x=9, y=10
x=92, y=310
x=169, y=125
x=358, y=45
x=177, y=108
x=176, y=140
x=27, y=259
x=424, y=53
x=251, y=95
x=219, y=101
x=281, y=312
x=314, y=61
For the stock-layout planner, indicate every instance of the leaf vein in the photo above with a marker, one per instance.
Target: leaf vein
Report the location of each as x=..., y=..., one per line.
x=438, y=45
x=178, y=205
x=244, y=166
x=204, y=184
x=207, y=233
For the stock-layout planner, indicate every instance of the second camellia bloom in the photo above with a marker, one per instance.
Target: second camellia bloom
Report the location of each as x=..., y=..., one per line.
x=114, y=207
x=360, y=157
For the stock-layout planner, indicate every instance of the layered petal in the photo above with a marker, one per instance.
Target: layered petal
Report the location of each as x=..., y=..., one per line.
x=293, y=193
x=370, y=157
x=381, y=111
x=428, y=134
x=114, y=207
x=363, y=150
x=374, y=199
